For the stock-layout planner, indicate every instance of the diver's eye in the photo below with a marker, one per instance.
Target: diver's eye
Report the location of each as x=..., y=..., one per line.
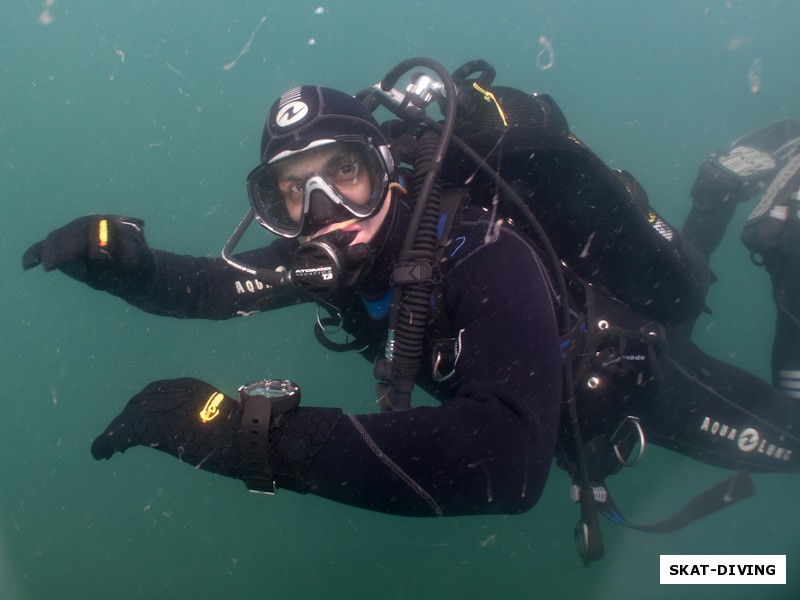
x=292, y=187
x=345, y=172
x=348, y=169
x=296, y=188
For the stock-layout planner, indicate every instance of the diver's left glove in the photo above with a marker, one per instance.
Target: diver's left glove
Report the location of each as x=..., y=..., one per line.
x=194, y=421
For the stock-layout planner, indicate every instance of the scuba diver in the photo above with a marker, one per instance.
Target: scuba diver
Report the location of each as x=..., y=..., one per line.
x=569, y=344
x=766, y=162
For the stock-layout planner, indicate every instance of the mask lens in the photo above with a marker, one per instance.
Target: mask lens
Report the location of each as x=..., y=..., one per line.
x=351, y=175
x=270, y=204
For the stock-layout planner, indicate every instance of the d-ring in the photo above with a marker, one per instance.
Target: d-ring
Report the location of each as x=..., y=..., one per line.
x=437, y=376
x=336, y=317
x=642, y=441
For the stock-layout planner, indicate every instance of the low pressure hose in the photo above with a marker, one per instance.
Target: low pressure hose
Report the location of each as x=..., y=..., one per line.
x=413, y=314
x=412, y=275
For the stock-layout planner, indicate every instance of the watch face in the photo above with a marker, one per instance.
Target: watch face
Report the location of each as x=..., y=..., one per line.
x=270, y=388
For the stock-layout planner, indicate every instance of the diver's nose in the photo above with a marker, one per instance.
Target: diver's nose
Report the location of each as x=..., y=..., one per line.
x=322, y=211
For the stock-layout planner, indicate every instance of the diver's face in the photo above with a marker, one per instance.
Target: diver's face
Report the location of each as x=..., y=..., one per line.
x=348, y=171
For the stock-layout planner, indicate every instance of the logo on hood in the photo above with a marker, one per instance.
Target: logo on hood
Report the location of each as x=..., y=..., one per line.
x=291, y=113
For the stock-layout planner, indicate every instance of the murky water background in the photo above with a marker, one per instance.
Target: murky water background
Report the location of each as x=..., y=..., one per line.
x=128, y=108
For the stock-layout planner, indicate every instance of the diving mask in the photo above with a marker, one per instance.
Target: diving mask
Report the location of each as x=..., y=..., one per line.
x=300, y=192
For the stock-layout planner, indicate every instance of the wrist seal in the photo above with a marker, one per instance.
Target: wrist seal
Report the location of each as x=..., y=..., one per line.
x=262, y=402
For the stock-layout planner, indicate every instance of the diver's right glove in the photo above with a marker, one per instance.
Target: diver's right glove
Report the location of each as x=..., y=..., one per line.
x=186, y=417
x=105, y=252
x=197, y=423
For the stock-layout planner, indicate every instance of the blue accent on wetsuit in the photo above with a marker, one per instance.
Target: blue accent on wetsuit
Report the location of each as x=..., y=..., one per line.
x=379, y=309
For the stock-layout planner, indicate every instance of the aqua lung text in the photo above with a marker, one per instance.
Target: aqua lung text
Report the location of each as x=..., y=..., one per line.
x=747, y=440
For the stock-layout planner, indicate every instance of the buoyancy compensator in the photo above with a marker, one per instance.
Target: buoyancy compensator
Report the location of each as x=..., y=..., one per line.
x=598, y=219
x=592, y=222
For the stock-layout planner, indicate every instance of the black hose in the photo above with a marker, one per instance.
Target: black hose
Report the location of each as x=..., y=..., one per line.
x=485, y=79
x=411, y=301
x=411, y=318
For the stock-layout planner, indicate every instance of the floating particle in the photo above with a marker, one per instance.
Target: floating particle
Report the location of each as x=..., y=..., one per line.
x=246, y=48
x=312, y=42
x=121, y=55
x=320, y=10
x=737, y=42
x=177, y=72
x=754, y=76
x=546, y=56
x=45, y=18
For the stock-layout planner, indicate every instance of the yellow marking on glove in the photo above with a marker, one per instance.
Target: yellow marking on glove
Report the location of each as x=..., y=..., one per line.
x=211, y=409
x=102, y=232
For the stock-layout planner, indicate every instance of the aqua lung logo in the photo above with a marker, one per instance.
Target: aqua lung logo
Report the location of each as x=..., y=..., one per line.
x=291, y=113
x=291, y=108
x=747, y=440
x=250, y=286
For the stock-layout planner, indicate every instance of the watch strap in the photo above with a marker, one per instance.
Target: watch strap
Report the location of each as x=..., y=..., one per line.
x=254, y=444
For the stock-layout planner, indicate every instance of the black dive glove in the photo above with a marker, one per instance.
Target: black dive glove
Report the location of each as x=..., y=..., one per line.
x=106, y=252
x=195, y=422
x=747, y=168
x=715, y=185
x=186, y=417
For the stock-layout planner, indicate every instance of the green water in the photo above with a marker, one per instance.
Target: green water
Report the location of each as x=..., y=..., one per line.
x=126, y=108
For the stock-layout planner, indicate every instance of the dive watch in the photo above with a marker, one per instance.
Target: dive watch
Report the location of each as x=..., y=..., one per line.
x=262, y=401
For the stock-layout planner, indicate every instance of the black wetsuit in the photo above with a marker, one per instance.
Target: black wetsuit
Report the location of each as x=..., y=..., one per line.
x=489, y=446
x=705, y=227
